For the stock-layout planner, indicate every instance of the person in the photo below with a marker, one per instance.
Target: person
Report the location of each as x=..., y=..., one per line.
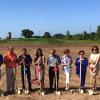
x=83, y=63
x=10, y=60
x=53, y=61
x=1, y=62
x=25, y=60
x=66, y=61
x=94, y=64
x=39, y=62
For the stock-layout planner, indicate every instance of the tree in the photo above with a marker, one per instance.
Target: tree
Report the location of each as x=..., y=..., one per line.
x=68, y=35
x=27, y=33
x=97, y=36
x=98, y=29
x=59, y=35
x=47, y=35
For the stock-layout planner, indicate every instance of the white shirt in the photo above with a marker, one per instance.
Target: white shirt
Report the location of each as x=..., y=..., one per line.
x=94, y=58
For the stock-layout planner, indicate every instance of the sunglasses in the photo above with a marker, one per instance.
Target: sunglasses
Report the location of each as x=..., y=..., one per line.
x=81, y=54
x=94, y=49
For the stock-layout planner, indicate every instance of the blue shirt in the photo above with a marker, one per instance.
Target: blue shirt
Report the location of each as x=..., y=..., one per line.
x=1, y=59
x=83, y=65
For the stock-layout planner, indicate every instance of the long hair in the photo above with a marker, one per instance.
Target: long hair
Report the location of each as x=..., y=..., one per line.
x=37, y=54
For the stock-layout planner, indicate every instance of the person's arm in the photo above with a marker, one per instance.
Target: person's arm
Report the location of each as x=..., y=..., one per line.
x=48, y=61
x=20, y=61
x=44, y=60
x=97, y=60
x=71, y=61
x=77, y=65
x=58, y=60
x=30, y=62
x=85, y=62
x=1, y=60
x=6, y=60
x=35, y=60
x=77, y=62
x=16, y=59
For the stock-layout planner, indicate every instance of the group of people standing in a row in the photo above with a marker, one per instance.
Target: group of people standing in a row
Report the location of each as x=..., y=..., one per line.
x=11, y=62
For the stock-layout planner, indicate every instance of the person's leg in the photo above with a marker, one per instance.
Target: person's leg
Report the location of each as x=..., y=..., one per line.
x=9, y=80
x=42, y=75
x=56, y=75
x=0, y=73
x=51, y=78
x=83, y=79
x=94, y=82
x=14, y=78
x=67, y=79
x=22, y=77
x=57, y=79
x=35, y=72
x=29, y=78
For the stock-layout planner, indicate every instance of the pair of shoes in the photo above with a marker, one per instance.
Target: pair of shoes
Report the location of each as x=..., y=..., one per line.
x=30, y=89
x=94, y=89
x=9, y=92
x=51, y=89
x=67, y=89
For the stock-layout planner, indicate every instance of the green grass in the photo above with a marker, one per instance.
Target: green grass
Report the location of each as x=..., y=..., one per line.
x=52, y=41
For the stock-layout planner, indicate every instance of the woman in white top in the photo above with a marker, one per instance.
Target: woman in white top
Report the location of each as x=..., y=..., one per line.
x=94, y=65
x=66, y=62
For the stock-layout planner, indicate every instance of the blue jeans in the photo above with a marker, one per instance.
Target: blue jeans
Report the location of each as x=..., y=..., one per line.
x=83, y=74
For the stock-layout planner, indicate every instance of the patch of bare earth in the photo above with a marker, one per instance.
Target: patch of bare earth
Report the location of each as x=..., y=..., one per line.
x=51, y=96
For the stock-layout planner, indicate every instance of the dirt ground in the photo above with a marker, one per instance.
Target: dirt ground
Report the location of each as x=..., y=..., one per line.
x=51, y=96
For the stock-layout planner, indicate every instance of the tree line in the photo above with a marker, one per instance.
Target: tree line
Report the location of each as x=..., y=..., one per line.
x=27, y=33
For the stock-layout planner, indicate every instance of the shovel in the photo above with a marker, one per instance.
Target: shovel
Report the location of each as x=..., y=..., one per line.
x=56, y=82
x=25, y=77
x=80, y=90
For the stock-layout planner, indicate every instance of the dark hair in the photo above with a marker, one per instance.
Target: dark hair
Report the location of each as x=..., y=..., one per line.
x=66, y=51
x=24, y=49
x=81, y=51
x=53, y=50
x=96, y=48
x=41, y=53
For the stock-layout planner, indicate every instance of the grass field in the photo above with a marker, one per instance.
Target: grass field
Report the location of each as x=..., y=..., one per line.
x=43, y=41
x=46, y=45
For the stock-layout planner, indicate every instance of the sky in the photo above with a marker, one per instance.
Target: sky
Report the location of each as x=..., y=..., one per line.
x=55, y=16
